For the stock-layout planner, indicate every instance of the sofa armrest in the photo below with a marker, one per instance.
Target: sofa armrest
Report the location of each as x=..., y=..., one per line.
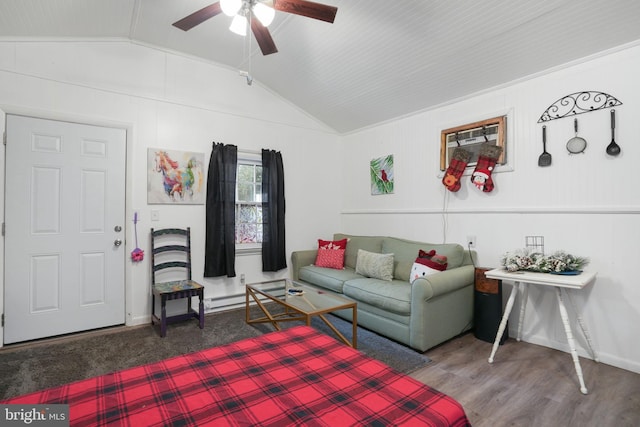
x=442, y=283
x=441, y=307
x=300, y=259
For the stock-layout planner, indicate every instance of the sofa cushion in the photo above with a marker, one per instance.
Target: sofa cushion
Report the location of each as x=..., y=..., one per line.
x=406, y=251
x=377, y=266
x=367, y=243
x=402, y=270
x=327, y=278
x=394, y=296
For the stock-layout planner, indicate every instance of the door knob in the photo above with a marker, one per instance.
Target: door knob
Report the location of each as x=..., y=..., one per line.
x=117, y=242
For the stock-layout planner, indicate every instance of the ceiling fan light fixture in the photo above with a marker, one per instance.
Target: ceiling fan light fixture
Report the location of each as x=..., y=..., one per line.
x=230, y=7
x=264, y=13
x=243, y=13
x=239, y=25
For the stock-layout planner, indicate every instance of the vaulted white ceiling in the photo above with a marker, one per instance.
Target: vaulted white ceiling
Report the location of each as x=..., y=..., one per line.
x=378, y=61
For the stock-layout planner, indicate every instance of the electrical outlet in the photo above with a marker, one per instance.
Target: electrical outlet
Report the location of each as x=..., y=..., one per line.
x=242, y=280
x=471, y=241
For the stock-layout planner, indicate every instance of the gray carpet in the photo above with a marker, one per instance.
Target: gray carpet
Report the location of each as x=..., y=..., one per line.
x=27, y=368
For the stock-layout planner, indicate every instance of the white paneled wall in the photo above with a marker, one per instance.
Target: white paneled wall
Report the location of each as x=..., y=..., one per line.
x=175, y=102
x=587, y=204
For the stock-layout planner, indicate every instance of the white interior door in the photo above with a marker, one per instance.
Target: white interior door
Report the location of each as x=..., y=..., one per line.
x=65, y=210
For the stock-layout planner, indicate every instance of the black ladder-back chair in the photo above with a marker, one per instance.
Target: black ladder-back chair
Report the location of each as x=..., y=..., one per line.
x=164, y=246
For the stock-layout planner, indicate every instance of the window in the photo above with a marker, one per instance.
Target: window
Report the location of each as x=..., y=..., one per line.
x=249, y=203
x=471, y=136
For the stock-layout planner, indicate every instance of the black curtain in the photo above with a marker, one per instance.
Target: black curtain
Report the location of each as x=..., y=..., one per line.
x=220, y=247
x=273, y=246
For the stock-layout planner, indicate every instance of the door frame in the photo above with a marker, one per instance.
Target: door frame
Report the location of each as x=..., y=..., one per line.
x=129, y=210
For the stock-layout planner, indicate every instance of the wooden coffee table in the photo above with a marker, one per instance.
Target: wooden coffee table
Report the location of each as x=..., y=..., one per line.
x=301, y=307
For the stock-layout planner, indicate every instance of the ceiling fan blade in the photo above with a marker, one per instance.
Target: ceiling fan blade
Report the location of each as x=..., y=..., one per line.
x=196, y=18
x=263, y=37
x=306, y=8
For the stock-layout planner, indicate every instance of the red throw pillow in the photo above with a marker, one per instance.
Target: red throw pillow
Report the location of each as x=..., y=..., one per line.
x=335, y=244
x=330, y=258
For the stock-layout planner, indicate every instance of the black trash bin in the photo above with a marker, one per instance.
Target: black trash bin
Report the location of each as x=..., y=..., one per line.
x=487, y=307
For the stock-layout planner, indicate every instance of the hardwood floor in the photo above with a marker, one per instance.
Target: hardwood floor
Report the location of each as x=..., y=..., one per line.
x=527, y=385
x=531, y=385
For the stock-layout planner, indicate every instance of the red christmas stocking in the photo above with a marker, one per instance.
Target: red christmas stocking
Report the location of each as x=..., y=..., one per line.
x=458, y=162
x=481, y=176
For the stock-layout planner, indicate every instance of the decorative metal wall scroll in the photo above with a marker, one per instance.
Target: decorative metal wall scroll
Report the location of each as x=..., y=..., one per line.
x=578, y=103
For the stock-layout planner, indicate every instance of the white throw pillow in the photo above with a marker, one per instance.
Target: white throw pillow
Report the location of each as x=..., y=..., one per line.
x=378, y=266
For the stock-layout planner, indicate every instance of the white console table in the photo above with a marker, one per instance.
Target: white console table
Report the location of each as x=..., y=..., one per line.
x=560, y=283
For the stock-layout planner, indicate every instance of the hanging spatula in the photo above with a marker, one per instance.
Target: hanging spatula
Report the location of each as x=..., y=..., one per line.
x=545, y=158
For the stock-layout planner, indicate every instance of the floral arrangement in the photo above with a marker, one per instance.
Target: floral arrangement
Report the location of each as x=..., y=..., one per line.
x=525, y=259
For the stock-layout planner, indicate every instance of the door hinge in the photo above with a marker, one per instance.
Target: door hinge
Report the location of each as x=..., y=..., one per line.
x=3, y=228
x=3, y=320
x=4, y=138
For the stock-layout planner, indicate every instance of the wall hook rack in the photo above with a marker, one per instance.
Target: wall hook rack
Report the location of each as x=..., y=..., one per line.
x=578, y=103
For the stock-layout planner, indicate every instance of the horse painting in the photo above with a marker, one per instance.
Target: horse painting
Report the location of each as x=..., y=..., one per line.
x=178, y=181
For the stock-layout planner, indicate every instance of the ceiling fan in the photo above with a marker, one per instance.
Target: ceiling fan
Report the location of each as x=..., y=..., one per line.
x=263, y=10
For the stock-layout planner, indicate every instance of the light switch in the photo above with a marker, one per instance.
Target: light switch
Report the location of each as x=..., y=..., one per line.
x=155, y=215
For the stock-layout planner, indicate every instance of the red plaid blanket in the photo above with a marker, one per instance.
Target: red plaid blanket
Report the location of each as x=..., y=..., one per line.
x=294, y=377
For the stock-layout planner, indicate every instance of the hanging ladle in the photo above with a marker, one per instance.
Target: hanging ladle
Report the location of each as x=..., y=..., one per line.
x=613, y=149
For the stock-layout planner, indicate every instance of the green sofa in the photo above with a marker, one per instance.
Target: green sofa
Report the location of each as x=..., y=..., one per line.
x=421, y=315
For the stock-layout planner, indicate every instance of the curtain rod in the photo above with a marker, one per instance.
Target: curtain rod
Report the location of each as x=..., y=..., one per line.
x=249, y=151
